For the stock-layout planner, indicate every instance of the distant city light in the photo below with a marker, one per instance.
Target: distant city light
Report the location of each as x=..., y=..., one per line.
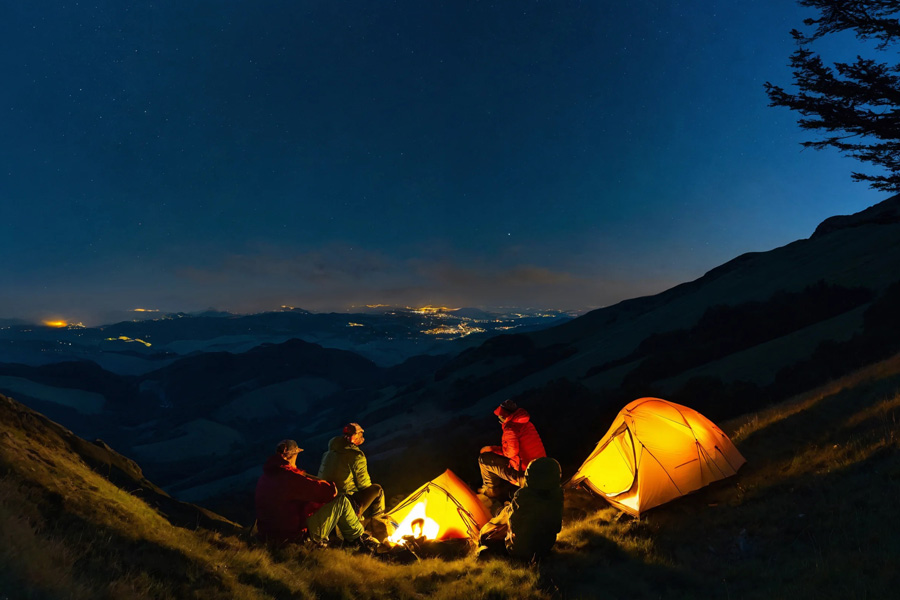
x=145, y=310
x=58, y=323
x=432, y=310
x=123, y=338
x=461, y=330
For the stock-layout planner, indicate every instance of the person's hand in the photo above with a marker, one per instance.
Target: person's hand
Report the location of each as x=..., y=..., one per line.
x=486, y=449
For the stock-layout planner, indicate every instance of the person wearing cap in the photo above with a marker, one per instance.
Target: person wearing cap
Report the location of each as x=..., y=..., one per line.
x=291, y=505
x=519, y=445
x=345, y=465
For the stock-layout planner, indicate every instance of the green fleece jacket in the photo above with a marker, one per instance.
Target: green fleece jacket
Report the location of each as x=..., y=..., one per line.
x=345, y=465
x=536, y=511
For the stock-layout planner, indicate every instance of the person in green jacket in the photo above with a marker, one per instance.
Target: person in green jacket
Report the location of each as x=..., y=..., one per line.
x=528, y=525
x=345, y=465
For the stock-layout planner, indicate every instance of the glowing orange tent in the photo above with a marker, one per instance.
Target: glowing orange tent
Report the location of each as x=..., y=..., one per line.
x=444, y=508
x=656, y=451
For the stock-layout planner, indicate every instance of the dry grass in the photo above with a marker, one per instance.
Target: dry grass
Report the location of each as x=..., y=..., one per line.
x=812, y=515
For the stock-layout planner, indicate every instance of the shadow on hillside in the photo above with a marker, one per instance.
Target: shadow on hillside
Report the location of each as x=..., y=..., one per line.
x=108, y=556
x=832, y=418
x=819, y=535
x=598, y=563
x=814, y=508
x=270, y=586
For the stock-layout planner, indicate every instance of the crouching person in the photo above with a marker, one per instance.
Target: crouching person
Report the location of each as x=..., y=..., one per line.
x=526, y=528
x=345, y=465
x=291, y=506
x=502, y=466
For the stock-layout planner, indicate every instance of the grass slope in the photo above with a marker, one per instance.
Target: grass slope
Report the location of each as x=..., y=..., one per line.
x=812, y=515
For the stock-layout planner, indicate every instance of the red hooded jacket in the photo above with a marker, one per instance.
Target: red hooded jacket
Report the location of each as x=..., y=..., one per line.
x=285, y=498
x=521, y=443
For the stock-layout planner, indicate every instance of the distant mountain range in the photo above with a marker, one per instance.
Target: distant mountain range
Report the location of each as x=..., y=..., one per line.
x=203, y=402
x=386, y=335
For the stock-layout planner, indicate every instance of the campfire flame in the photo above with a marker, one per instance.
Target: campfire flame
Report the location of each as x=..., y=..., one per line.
x=417, y=524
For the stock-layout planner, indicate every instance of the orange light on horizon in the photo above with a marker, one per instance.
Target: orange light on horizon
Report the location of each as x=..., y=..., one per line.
x=145, y=310
x=432, y=310
x=57, y=323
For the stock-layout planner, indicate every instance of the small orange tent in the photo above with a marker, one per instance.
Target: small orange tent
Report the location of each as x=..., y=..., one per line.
x=444, y=508
x=656, y=451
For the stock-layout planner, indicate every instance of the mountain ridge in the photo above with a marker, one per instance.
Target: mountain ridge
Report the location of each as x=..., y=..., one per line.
x=119, y=470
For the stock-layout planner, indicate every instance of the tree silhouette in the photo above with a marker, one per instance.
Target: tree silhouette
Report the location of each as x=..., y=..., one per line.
x=853, y=107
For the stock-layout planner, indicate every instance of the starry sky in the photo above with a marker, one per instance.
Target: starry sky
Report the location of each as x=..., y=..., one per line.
x=179, y=155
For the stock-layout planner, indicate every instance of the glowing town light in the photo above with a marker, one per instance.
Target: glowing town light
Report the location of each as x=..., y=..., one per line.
x=461, y=330
x=57, y=323
x=152, y=310
x=125, y=338
x=432, y=310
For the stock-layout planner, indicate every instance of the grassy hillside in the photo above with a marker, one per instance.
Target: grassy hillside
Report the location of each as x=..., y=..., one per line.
x=812, y=515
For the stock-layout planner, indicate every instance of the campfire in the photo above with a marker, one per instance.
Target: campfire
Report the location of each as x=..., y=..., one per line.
x=444, y=508
x=416, y=525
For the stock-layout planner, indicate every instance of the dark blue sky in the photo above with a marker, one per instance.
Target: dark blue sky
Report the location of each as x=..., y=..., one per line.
x=178, y=155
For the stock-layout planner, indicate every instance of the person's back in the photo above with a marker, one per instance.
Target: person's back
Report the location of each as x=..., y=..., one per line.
x=344, y=465
x=504, y=465
x=285, y=497
x=519, y=429
x=535, y=516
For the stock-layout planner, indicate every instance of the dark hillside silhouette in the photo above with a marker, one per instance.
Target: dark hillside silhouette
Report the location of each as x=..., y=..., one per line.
x=723, y=330
x=879, y=339
x=118, y=469
x=80, y=375
x=195, y=385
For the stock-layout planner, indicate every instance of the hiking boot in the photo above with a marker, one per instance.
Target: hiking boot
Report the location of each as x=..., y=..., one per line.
x=316, y=544
x=366, y=543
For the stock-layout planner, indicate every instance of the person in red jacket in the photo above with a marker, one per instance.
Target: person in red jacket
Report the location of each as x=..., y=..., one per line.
x=291, y=505
x=520, y=445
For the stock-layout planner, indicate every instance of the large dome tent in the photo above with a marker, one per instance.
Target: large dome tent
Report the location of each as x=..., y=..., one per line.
x=656, y=451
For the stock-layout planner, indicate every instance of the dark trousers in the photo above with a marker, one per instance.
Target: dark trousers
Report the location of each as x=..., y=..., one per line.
x=496, y=473
x=492, y=537
x=368, y=502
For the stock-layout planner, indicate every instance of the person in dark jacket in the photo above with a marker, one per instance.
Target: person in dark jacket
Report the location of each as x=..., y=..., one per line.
x=345, y=465
x=291, y=505
x=520, y=445
x=527, y=527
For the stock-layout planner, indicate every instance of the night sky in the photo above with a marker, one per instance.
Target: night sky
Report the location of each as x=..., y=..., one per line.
x=179, y=155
